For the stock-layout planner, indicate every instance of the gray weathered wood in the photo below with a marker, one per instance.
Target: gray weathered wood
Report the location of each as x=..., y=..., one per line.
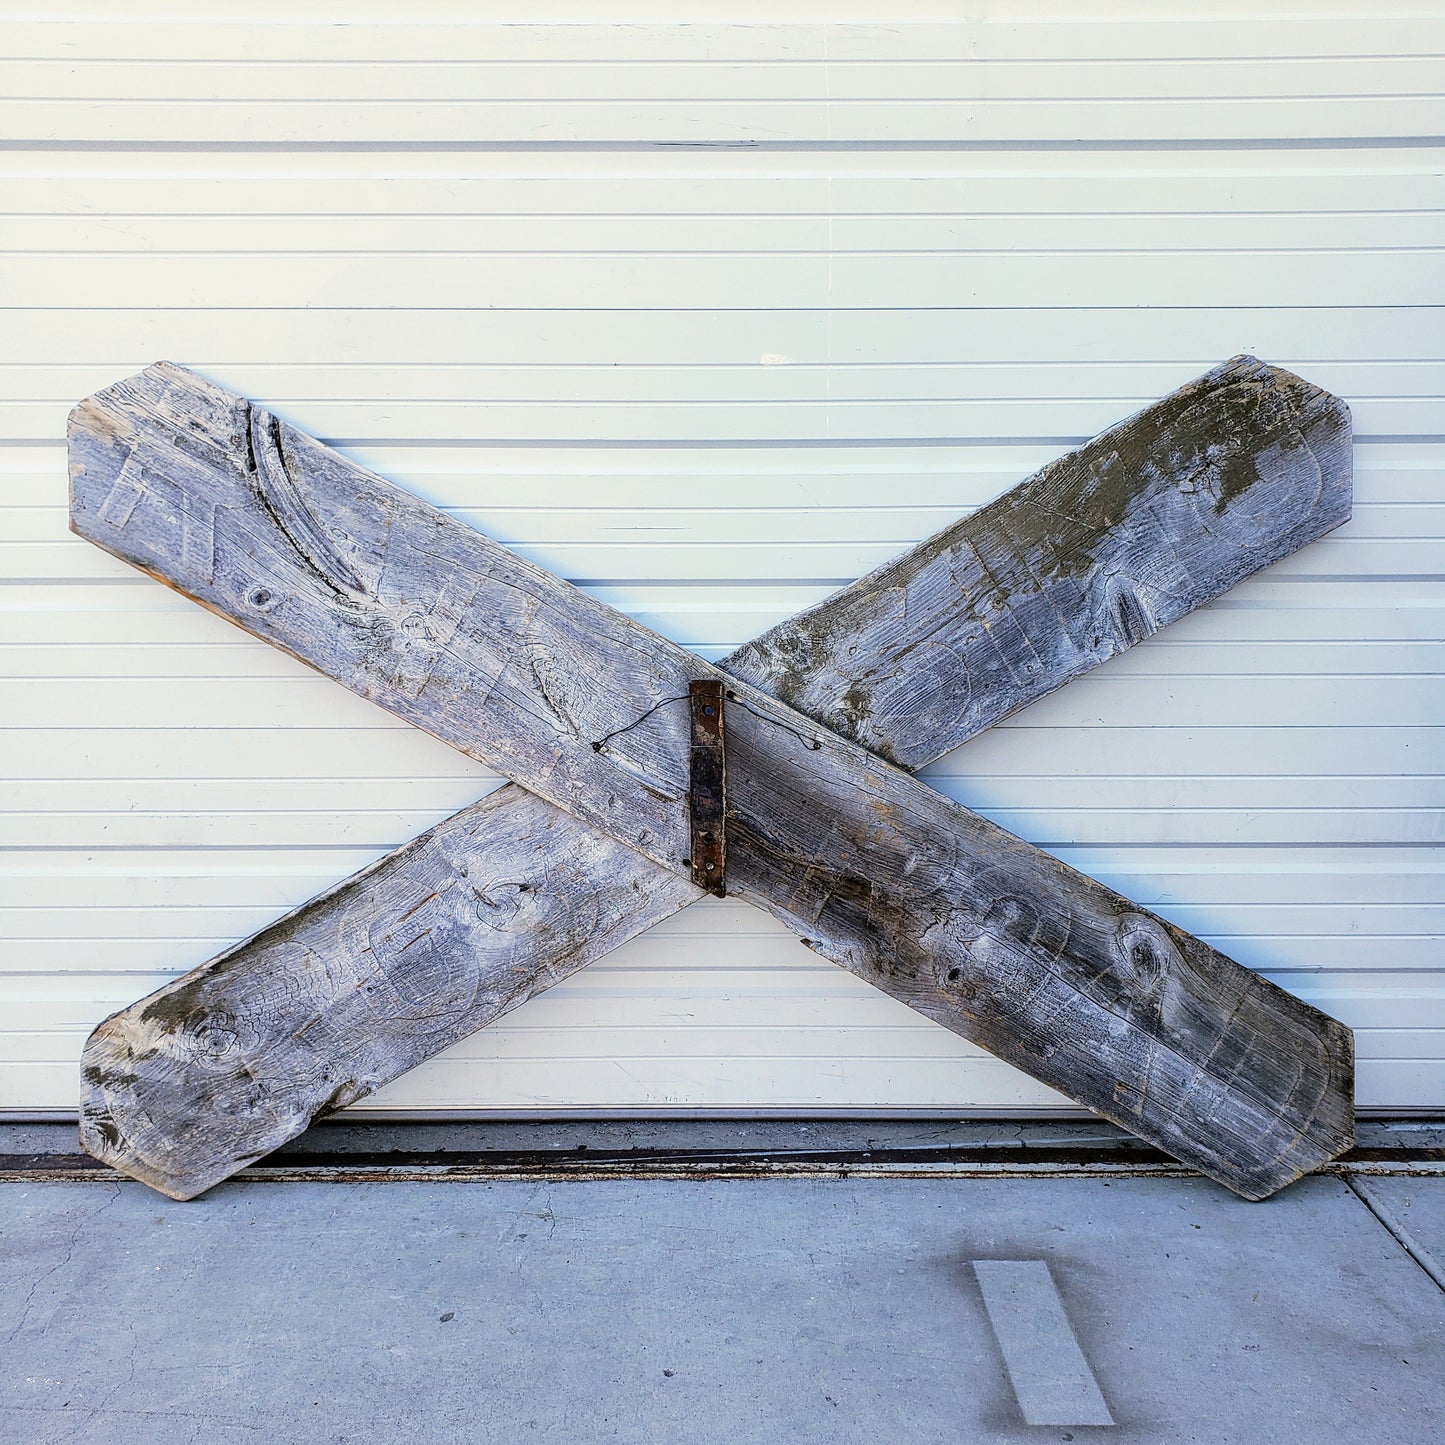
x=1094, y=553
x=262, y=542
x=343, y=994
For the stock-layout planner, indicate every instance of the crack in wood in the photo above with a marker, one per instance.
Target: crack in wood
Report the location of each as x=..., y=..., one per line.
x=293, y=519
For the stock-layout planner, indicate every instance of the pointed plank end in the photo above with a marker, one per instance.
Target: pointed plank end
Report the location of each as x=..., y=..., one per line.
x=108, y=1110
x=132, y=1093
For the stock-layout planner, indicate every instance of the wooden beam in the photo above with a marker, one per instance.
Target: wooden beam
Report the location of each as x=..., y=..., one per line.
x=1152, y=519
x=274, y=505
x=352, y=989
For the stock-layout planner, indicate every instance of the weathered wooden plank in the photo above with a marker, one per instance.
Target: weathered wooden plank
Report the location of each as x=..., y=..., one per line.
x=1094, y=553
x=322, y=1007
x=279, y=487
x=351, y=587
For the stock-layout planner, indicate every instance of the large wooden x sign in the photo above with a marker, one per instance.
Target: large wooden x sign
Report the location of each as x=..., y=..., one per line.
x=826, y=828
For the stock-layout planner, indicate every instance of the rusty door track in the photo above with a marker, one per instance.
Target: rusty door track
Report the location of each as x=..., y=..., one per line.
x=1006, y=1158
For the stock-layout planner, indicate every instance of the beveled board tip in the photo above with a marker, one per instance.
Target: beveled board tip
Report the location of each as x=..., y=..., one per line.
x=106, y=1081
x=161, y=367
x=87, y=420
x=1326, y=1136
x=100, y=1137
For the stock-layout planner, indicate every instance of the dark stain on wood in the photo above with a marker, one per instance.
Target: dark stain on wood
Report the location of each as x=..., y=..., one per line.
x=1088, y=557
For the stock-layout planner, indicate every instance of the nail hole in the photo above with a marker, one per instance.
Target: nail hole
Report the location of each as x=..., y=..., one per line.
x=954, y=975
x=687, y=862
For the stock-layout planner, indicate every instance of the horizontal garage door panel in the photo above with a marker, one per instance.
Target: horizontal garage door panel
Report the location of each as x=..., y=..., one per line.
x=710, y=317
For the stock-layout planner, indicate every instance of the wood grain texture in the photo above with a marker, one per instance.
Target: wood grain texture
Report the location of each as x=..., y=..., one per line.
x=955, y=917
x=1094, y=553
x=322, y=1007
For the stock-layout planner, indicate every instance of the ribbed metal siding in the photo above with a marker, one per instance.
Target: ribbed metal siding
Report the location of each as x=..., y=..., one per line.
x=858, y=273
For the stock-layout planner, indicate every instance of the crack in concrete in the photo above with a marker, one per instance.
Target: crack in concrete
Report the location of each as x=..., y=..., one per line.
x=55, y=1268
x=1396, y=1230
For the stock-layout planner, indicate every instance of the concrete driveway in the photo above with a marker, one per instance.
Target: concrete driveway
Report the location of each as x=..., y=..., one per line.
x=792, y=1309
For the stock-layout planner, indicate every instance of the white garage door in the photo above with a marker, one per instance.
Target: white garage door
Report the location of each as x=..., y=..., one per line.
x=711, y=317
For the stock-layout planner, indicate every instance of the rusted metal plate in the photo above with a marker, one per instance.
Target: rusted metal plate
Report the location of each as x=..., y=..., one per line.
x=707, y=786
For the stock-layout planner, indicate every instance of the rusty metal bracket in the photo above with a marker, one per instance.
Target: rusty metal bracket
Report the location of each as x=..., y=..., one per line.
x=707, y=787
